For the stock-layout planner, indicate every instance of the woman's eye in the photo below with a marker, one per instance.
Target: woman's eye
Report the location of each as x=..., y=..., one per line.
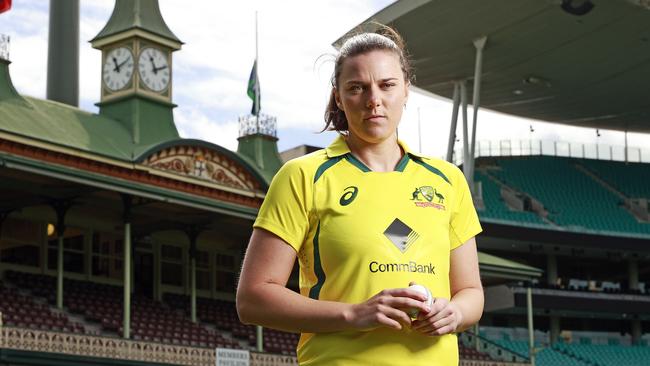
x=388, y=85
x=355, y=88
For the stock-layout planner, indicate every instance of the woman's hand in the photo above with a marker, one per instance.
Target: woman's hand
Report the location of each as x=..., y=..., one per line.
x=445, y=317
x=386, y=309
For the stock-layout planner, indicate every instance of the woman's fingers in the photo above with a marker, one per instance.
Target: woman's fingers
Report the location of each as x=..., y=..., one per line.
x=442, y=319
x=405, y=292
x=388, y=308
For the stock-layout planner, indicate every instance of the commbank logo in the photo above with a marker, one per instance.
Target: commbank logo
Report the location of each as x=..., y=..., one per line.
x=349, y=194
x=401, y=235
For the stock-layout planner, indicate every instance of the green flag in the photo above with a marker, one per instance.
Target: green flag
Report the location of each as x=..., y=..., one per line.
x=254, y=90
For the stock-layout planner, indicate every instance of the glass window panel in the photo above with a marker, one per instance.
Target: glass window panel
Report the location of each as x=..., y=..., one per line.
x=21, y=230
x=23, y=254
x=173, y=253
x=225, y=281
x=172, y=274
x=74, y=243
x=51, y=258
x=202, y=259
x=101, y=266
x=72, y=261
x=203, y=280
x=225, y=261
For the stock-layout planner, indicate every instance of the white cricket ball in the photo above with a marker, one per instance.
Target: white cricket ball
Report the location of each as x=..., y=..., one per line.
x=413, y=313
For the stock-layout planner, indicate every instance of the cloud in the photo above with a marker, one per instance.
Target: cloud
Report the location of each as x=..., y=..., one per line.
x=193, y=123
x=211, y=71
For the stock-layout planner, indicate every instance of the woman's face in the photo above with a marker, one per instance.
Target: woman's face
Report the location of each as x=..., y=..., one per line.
x=372, y=92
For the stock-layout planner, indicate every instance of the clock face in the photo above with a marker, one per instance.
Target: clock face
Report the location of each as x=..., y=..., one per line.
x=154, y=69
x=118, y=68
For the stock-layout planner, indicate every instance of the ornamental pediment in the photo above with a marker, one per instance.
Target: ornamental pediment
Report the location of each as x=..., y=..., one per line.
x=203, y=163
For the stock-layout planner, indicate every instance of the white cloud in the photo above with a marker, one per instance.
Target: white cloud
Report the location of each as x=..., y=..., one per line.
x=193, y=123
x=211, y=70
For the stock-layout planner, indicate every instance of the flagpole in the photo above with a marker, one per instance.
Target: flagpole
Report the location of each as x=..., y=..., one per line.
x=257, y=92
x=260, y=161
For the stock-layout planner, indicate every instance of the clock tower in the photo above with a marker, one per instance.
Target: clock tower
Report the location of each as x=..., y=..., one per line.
x=136, y=80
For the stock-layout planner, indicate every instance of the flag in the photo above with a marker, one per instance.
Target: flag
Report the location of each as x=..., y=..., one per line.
x=254, y=90
x=5, y=5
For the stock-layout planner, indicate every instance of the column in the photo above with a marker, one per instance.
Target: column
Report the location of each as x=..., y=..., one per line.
x=479, y=44
x=126, y=325
x=554, y=328
x=531, y=333
x=636, y=331
x=60, y=208
x=463, y=102
x=193, y=235
x=454, y=123
x=157, y=292
x=551, y=269
x=633, y=274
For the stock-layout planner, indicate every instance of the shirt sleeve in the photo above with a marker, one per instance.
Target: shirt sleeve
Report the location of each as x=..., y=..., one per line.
x=285, y=210
x=464, y=223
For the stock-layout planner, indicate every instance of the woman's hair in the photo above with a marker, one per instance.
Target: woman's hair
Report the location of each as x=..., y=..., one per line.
x=385, y=39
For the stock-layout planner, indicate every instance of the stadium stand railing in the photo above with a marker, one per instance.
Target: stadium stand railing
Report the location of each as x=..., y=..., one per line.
x=556, y=148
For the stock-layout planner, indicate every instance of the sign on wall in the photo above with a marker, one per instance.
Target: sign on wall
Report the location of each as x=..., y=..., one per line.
x=232, y=357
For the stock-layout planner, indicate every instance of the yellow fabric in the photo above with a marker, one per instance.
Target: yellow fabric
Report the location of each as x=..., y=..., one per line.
x=398, y=227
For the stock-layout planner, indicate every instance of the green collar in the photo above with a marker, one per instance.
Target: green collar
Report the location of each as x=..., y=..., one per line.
x=339, y=147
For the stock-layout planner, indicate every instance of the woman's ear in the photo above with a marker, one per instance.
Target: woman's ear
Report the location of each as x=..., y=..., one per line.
x=337, y=98
x=406, y=92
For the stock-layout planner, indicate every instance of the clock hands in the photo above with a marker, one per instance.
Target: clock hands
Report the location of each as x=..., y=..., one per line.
x=119, y=65
x=154, y=68
x=123, y=62
x=153, y=65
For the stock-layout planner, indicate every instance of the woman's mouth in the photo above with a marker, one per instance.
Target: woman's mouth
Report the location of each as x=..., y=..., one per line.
x=374, y=118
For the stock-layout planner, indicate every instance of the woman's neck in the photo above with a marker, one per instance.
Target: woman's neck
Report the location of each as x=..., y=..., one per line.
x=379, y=157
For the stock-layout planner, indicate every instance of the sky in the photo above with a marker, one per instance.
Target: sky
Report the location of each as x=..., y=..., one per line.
x=210, y=75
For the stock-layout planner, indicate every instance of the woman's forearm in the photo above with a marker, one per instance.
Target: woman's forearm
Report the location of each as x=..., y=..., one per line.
x=470, y=302
x=275, y=306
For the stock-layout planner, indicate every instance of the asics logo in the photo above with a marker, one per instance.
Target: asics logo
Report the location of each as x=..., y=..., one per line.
x=349, y=194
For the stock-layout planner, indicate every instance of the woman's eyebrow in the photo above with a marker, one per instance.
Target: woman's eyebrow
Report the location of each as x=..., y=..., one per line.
x=362, y=82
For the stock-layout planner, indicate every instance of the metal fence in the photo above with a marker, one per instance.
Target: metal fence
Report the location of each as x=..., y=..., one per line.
x=557, y=148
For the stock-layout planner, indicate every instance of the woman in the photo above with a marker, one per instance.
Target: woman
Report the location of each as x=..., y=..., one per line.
x=366, y=217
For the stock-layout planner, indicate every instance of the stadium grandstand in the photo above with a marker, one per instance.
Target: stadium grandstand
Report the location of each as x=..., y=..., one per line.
x=120, y=241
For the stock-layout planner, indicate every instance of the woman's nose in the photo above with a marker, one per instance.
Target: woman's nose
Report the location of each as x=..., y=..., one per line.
x=373, y=100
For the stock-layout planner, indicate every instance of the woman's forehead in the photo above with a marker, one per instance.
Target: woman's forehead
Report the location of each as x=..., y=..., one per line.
x=382, y=63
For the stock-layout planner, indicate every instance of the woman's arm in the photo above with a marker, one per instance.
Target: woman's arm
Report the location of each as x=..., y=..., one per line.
x=264, y=299
x=466, y=305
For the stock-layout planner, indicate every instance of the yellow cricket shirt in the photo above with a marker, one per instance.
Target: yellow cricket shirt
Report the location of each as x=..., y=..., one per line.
x=358, y=232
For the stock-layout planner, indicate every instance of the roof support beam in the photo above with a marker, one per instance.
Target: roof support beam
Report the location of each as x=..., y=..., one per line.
x=479, y=44
x=454, y=123
x=463, y=102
